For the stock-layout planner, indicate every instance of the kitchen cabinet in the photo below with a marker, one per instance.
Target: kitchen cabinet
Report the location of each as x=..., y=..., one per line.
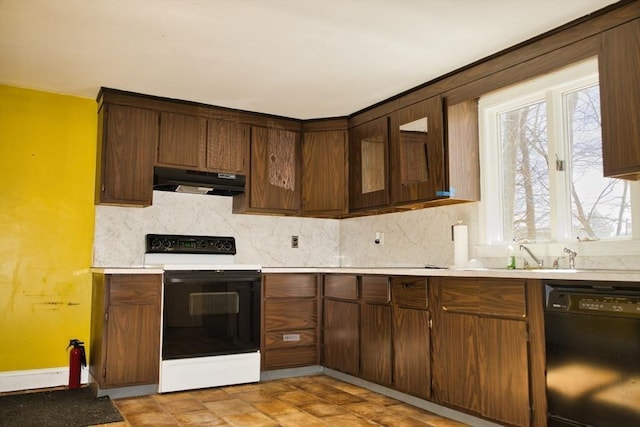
x=462, y=155
x=411, y=336
x=127, y=140
x=182, y=140
x=274, y=176
x=619, y=62
x=368, y=165
x=325, y=169
x=290, y=321
x=125, y=322
x=198, y=143
x=416, y=152
x=341, y=313
x=376, y=354
x=480, y=348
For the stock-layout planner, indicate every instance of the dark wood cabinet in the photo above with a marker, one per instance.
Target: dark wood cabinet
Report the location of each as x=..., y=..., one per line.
x=290, y=321
x=227, y=146
x=274, y=177
x=376, y=354
x=416, y=152
x=480, y=348
x=125, y=321
x=341, y=323
x=368, y=165
x=182, y=140
x=619, y=62
x=127, y=140
x=325, y=171
x=411, y=336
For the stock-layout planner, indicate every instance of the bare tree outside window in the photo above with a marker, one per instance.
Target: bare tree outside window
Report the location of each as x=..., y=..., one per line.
x=600, y=207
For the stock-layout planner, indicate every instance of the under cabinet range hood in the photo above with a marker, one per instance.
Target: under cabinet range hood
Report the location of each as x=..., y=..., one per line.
x=197, y=182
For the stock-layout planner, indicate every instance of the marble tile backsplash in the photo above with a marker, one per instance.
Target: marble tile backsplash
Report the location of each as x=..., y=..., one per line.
x=260, y=239
x=409, y=239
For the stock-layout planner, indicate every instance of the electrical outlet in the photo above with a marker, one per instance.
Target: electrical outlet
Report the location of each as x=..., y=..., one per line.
x=294, y=242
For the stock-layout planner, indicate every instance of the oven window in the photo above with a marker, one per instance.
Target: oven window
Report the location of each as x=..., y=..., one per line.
x=214, y=315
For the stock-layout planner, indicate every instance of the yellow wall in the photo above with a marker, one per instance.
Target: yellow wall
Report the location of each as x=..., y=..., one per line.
x=47, y=166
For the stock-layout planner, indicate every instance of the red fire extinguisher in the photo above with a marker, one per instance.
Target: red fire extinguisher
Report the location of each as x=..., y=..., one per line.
x=76, y=358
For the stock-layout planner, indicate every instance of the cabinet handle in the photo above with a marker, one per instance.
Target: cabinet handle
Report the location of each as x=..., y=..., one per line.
x=426, y=159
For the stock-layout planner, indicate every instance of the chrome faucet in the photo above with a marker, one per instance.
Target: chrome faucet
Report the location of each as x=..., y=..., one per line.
x=572, y=257
x=538, y=261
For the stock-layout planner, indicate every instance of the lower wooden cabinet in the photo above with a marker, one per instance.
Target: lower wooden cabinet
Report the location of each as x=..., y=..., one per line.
x=341, y=323
x=125, y=329
x=290, y=321
x=376, y=351
x=411, y=336
x=480, y=348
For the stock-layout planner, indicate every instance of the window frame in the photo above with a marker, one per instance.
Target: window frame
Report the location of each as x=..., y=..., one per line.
x=551, y=88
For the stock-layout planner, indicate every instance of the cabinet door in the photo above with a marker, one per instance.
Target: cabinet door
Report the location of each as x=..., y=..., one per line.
x=324, y=172
x=502, y=350
x=131, y=340
x=455, y=361
x=412, y=352
x=619, y=63
x=133, y=347
x=368, y=168
x=275, y=172
x=126, y=154
x=341, y=337
x=417, y=152
x=227, y=145
x=375, y=343
x=182, y=140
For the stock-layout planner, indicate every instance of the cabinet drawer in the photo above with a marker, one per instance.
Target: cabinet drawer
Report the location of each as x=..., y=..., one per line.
x=280, y=358
x=134, y=288
x=284, y=315
x=375, y=289
x=292, y=338
x=495, y=297
x=341, y=287
x=502, y=298
x=410, y=292
x=290, y=285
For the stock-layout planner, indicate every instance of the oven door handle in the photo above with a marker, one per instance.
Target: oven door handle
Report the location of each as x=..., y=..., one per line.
x=197, y=276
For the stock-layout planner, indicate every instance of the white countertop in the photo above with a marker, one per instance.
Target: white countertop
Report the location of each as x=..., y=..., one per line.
x=579, y=274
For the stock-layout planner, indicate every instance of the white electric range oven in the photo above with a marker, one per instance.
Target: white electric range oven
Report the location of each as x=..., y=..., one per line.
x=210, y=312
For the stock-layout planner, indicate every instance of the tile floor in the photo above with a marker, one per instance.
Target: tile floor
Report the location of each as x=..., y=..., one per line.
x=301, y=402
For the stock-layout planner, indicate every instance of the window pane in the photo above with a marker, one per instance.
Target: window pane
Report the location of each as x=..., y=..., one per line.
x=525, y=186
x=600, y=207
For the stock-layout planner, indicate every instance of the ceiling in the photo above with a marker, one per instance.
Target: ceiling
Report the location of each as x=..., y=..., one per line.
x=295, y=58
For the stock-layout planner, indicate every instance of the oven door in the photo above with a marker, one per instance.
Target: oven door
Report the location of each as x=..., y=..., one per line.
x=210, y=329
x=210, y=313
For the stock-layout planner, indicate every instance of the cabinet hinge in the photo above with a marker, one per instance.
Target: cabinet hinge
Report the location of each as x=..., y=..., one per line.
x=104, y=372
x=430, y=323
x=106, y=317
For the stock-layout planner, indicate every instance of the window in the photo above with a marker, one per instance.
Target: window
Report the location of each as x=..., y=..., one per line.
x=542, y=163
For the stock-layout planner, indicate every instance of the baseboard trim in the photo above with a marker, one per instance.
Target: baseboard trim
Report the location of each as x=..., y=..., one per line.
x=38, y=378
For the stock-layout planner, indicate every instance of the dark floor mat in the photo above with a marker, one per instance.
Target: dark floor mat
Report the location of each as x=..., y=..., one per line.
x=59, y=408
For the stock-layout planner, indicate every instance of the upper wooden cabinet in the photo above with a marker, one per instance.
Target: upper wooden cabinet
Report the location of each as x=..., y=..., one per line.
x=619, y=64
x=368, y=165
x=127, y=140
x=227, y=146
x=416, y=154
x=198, y=143
x=182, y=140
x=274, y=176
x=325, y=169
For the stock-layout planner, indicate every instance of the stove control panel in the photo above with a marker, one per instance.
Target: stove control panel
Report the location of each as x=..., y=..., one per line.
x=185, y=244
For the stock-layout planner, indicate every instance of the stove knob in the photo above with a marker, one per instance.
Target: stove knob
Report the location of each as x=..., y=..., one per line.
x=166, y=243
x=201, y=244
x=156, y=244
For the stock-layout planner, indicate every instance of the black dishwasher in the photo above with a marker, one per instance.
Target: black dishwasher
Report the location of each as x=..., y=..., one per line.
x=593, y=354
